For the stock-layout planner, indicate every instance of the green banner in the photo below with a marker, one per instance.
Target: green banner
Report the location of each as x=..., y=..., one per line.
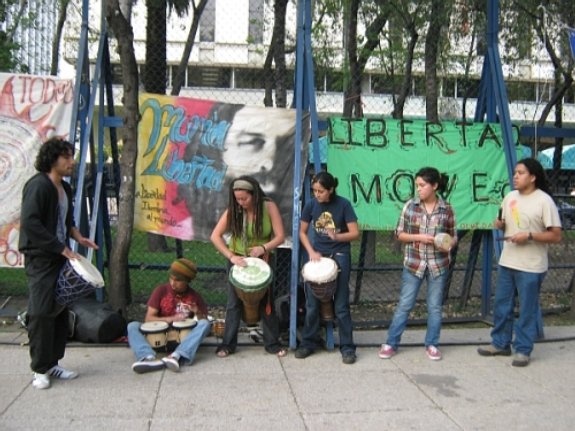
x=376, y=159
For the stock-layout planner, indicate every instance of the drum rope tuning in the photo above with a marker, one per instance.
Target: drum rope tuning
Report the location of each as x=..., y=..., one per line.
x=77, y=278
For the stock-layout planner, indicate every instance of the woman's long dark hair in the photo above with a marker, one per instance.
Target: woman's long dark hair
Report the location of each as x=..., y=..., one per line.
x=535, y=168
x=327, y=181
x=236, y=213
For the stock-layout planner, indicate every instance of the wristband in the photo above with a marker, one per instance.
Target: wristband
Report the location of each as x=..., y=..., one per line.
x=264, y=247
x=530, y=237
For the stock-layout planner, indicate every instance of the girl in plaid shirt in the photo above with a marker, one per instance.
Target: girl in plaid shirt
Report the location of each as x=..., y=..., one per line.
x=422, y=219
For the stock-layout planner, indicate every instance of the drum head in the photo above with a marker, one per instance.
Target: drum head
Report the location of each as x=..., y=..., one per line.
x=320, y=271
x=255, y=276
x=443, y=241
x=185, y=324
x=152, y=327
x=87, y=271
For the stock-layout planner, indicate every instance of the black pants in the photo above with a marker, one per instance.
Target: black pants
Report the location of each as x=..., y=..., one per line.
x=47, y=321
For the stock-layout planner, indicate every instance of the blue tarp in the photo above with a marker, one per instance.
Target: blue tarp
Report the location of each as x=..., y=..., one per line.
x=567, y=157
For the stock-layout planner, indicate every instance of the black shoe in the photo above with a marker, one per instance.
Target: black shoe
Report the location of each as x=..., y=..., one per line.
x=303, y=352
x=520, y=360
x=348, y=358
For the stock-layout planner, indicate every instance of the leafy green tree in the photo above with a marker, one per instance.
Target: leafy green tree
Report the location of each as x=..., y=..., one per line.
x=9, y=61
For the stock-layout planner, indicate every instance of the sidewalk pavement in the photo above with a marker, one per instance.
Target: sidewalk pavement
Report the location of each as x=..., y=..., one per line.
x=253, y=390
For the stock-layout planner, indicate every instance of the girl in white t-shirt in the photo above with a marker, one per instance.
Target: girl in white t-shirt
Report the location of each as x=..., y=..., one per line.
x=529, y=220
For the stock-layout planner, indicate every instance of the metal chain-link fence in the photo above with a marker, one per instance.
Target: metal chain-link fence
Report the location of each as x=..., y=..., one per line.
x=243, y=54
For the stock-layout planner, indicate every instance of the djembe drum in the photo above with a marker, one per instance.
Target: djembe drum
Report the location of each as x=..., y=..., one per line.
x=250, y=283
x=77, y=278
x=321, y=275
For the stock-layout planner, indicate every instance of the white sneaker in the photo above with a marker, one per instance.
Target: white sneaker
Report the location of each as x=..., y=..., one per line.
x=62, y=373
x=147, y=364
x=172, y=363
x=41, y=381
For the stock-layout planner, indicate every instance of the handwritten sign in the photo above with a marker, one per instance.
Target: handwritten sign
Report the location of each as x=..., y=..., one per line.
x=376, y=159
x=190, y=150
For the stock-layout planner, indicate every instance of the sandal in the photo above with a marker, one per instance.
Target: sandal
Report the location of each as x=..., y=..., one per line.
x=282, y=352
x=223, y=352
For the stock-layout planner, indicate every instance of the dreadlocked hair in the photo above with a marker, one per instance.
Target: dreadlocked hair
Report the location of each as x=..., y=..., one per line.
x=235, y=222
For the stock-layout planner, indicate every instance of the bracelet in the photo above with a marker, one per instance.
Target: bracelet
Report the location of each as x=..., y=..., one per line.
x=264, y=247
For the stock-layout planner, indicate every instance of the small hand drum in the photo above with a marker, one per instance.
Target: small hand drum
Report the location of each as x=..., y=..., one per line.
x=443, y=241
x=156, y=333
x=183, y=328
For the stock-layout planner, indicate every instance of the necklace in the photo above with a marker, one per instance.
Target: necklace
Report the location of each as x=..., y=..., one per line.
x=425, y=205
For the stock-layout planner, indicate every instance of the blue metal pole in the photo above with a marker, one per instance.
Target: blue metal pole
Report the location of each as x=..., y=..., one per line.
x=300, y=47
x=494, y=104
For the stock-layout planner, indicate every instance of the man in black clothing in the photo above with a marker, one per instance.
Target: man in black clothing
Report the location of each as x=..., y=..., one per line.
x=46, y=225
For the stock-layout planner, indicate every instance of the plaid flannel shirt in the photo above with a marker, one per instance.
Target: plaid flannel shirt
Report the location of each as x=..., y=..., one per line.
x=414, y=220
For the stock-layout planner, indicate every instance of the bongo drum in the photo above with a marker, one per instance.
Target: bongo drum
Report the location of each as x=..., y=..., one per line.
x=156, y=333
x=321, y=275
x=183, y=328
x=250, y=283
x=77, y=278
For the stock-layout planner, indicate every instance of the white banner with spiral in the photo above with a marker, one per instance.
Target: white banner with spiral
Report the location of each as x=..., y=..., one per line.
x=32, y=109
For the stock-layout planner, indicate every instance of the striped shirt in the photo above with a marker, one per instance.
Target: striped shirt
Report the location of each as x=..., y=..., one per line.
x=414, y=219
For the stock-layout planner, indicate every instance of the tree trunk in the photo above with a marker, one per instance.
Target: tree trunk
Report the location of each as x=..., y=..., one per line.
x=352, y=91
x=408, y=74
x=280, y=10
x=276, y=54
x=432, y=42
x=155, y=78
x=58, y=37
x=118, y=265
x=181, y=73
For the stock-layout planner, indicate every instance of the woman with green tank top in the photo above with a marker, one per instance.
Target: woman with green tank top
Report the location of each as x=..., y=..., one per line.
x=255, y=225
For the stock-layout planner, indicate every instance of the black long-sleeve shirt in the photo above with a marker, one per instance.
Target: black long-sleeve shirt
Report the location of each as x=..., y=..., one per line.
x=39, y=216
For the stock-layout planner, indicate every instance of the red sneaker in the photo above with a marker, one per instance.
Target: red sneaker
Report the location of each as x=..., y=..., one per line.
x=386, y=351
x=433, y=353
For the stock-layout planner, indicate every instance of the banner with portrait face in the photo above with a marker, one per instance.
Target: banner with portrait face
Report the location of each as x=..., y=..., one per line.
x=189, y=151
x=32, y=109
